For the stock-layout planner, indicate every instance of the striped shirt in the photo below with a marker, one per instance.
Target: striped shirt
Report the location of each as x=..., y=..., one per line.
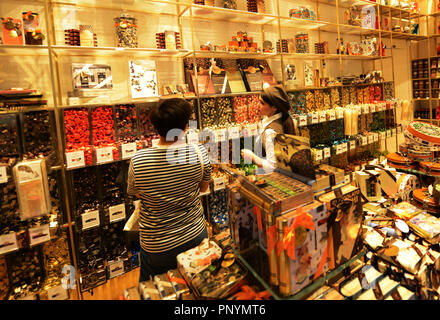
x=167, y=181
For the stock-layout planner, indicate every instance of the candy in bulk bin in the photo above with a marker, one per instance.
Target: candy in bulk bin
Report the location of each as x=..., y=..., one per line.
x=4, y=281
x=345, y=96
x=38, y=140
x=147, y=131
x=335, y=98
x=9, y=211
x=25, y=268
x=218, y=210
x=77, y=131
x=225, y=114
x=126, y=125
x=326, y=99
x=8, y=135
x=240, y=109
x=310, y=101
x=253, y=104
x=56, y=256
x=319, y=134
x=208, y=112
x=85, y=191
x=353, y=95
x=103, y=133
x=388, y=91
x=319, y=100
x=336, y=130
x=378, y=123
x=359, y=95
x=113, y=245
x=366, y=94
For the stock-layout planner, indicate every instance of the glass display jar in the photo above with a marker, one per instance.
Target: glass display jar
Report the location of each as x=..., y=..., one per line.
x=126, y=31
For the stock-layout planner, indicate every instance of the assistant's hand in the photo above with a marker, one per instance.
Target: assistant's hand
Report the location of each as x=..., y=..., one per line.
x=248, y=155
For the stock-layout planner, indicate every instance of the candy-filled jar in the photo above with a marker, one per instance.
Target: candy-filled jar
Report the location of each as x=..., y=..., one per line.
x=126, y=31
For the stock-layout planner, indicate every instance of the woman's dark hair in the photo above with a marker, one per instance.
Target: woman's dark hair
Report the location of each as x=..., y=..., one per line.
x=277, y=97
x=170, y=114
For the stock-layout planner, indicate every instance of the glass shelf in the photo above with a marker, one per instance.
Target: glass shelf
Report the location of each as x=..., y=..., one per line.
x=227, y=15
x=117, y=51
x=232, y=55
x=308, y=289
x=23, y=50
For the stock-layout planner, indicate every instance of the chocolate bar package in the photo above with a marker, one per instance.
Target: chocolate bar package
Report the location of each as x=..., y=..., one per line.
x=345, y=218
x=253, y=78
x=148, y=291
x=220, y=81
x=326, y=293
x=242, y=219
x=427, y=226
x=132, y=294
x=368, y=183
x=303, y=259
x=179, y=284
x=164, y=286
x=203, y=84
x=268, y=77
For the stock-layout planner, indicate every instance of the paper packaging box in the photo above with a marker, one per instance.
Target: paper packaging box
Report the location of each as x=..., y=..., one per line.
x=368, y=183
x=328, y=176
x=164, y=287
x=14, y=33
x=179, y=284
x=197, y=259
x=345, y=217
x=132, y=294
x=204, y=83
x=148, y=291
x=242, y=220
x=310, y=247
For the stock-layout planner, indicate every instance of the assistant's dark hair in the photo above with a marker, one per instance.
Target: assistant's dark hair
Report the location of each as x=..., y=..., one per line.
x=170, y=114
x=277, y=97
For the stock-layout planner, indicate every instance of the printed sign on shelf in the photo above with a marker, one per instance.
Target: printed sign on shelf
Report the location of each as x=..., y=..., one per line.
x=352, y=144
x=116, y=268
x=104, y=154
x=90, y=219
x=8, y=242
x=128, y=150
x=57, y=293
x=3, y=174
x=315, y=118
x=75, y=159
x=318, y=154
x=219, y=183
x=302, y=121
x=117, y=212
x=39, y=234
x=327, y=153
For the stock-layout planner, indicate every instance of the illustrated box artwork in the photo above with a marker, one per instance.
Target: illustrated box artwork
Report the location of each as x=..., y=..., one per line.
x=91, y=76
x=143, y=79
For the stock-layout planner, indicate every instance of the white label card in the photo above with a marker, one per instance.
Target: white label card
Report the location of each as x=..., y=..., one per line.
x=104, y=154
x=117, y=212
x=75, y=159
x=155, y=142
x=344, y=147
x=3, y=174
x=365, y=109
x=364, y=140
x=128, y=150
x=376, y=137
x=352, y=144
x=57, y=293
x=315, y=118
x=339, y=113
x=393, y=132
x=318, y=154
x=90, y=219
x=388, y=133
x=234, y=133
x=116, y=268
x=331, y=115
x=39, y=234
x=370, y=138
x=338, y=149
x=302, y=121
x=8, y=242
x=382, y=135
x=327, y=153
x=347, y=179
x=322, y=117
x=192, y=138
x=219, y=183
x=372, y=108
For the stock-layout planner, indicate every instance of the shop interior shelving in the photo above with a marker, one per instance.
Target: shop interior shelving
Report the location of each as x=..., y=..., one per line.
x=196, y=24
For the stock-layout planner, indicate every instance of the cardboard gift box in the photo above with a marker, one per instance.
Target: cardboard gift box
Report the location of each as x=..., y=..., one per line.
x=345, y=218
x=328, y=176
x=301, y=247
x=368, y=183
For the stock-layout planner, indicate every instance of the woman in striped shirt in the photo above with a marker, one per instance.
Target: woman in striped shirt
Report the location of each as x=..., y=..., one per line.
x=168, y=179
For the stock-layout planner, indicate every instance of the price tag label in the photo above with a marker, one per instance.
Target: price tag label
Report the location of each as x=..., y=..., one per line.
x=388, y=133
x=221, y=135
x=234, y=133
x=339, y=113
x=90, y=219
x=8, y=243
x=338, y=149
x=155, y=142
x=352, y=144
x=392, y=104
x=75, y=159
x=383, y=106
x=372, y=108
x=104, y=155
x=117, y=212
x=219, y=183
x=347, y=179
x=57, y=293
x=116, y=268
x=302, y=121
x=3, y=174
x=375, y=137
x=315, y=118
x=192, y=137
x=128, y=150
x=365, y=109
x=382, y=135
x=393, y=132
x=344, y=147
x=39, y=234
x=331, y=115
x=327, y=153
x=318, y=154
x=322, y=117
x=364, y=140
x=370, y=139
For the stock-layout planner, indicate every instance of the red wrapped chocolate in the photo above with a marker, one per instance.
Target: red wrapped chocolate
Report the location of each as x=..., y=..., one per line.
x=77, y=131
x=103, y=134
